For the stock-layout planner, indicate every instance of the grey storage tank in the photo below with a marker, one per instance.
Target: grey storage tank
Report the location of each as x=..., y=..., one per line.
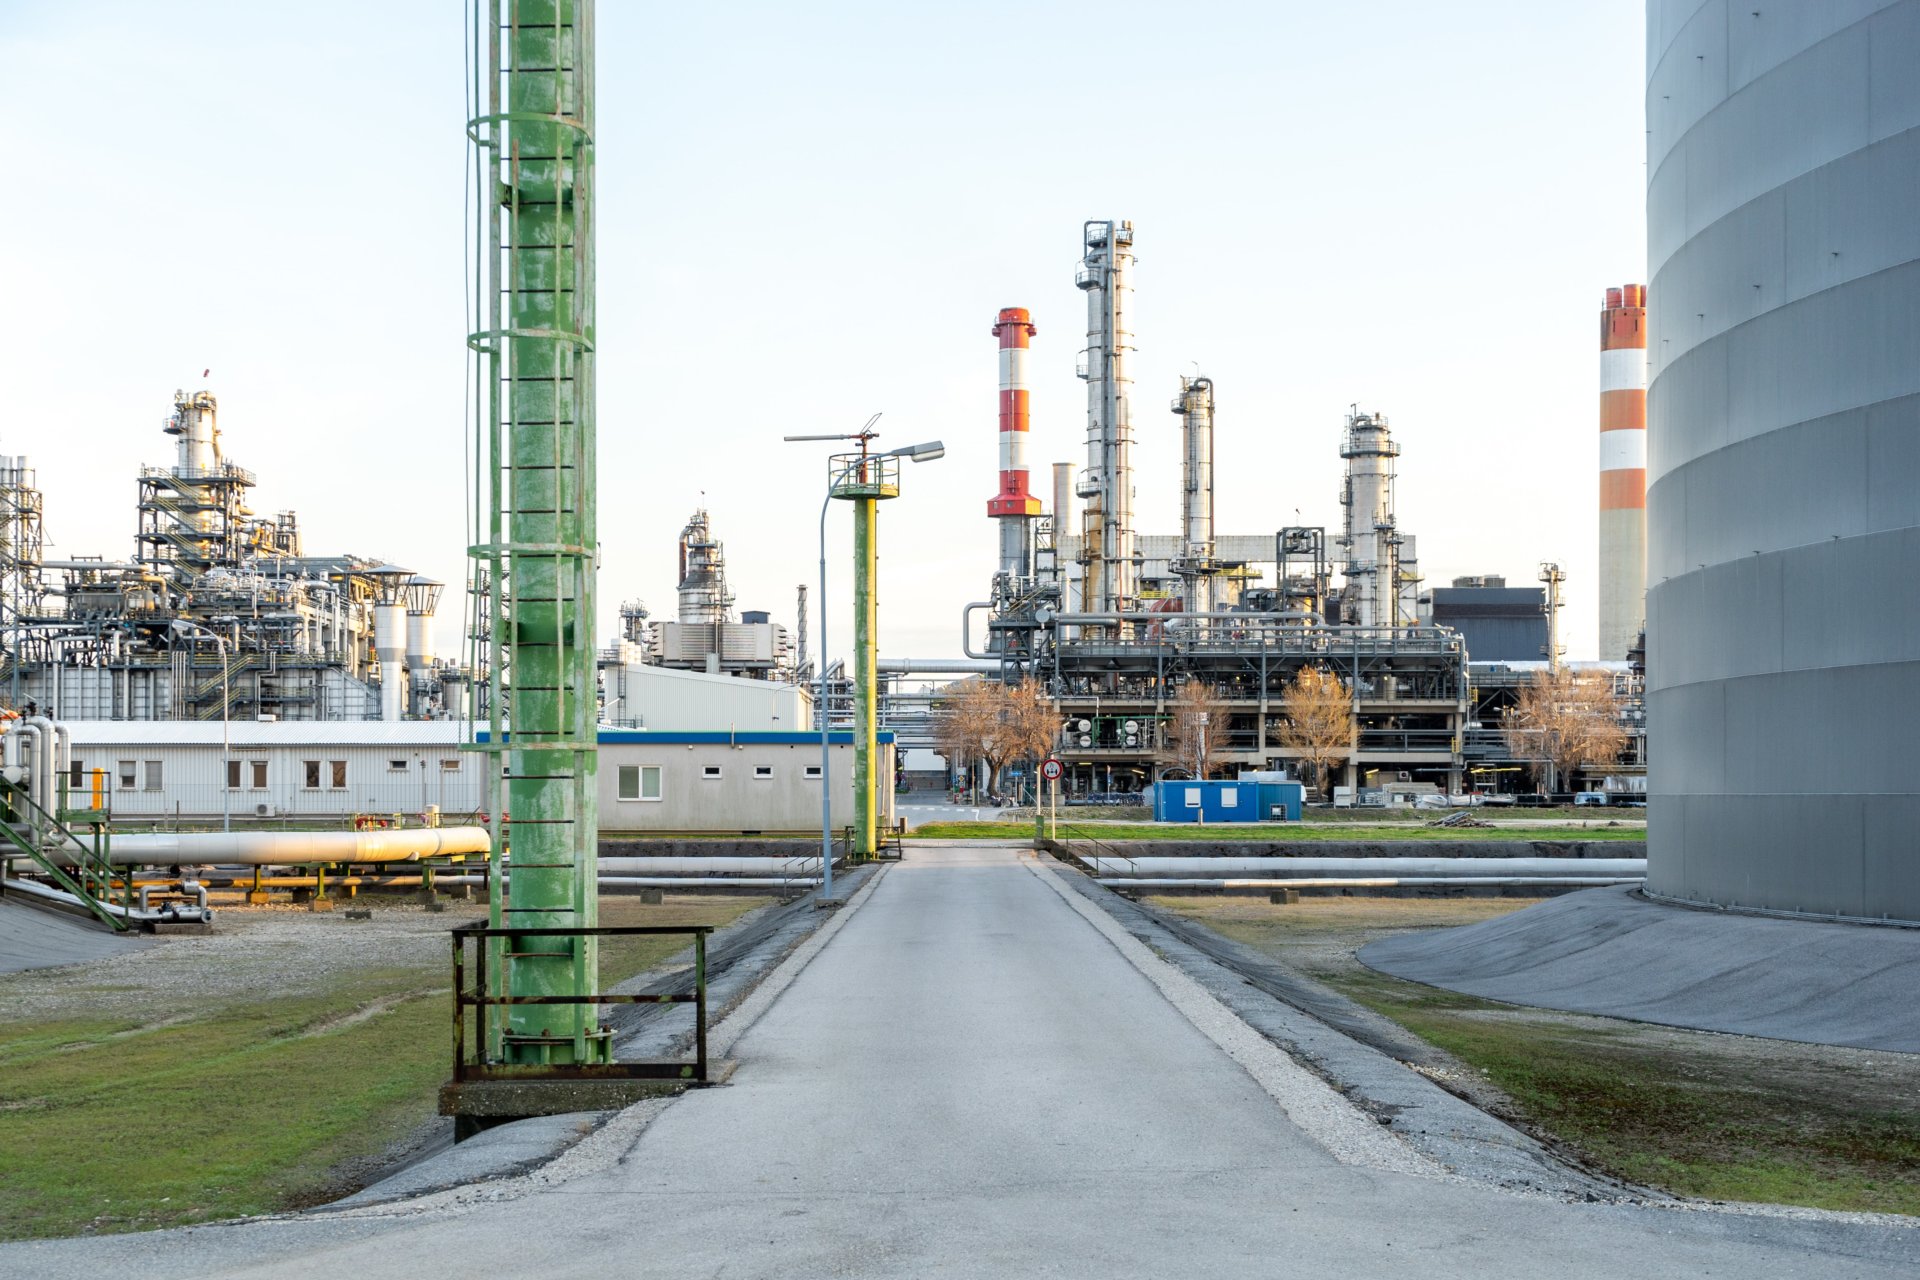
x=1783, y=620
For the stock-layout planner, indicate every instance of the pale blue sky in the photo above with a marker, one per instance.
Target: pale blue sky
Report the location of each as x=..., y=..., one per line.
x=812, y=212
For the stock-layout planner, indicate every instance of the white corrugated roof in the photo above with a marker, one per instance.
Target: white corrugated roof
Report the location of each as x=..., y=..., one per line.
x=268, y=733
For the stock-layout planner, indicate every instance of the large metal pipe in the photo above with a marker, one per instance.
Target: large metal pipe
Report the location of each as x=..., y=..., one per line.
x=173, y=913
x=674, y=882
x=291, y=848
x=1285, y=868
x=45, y=750
x=672, y=866
x=1379, y=882
x=939, y=666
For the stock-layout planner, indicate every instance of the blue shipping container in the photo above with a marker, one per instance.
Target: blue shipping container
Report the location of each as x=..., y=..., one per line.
x=1209, y=801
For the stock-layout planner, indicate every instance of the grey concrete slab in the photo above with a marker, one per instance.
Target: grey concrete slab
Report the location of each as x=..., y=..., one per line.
x=34, y=938
x=971, y=1079
x=492, y=1153
x=1613, y=952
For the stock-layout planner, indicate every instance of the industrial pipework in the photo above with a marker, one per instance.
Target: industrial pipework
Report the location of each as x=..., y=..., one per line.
x=1196, y=566
x=1015, y=506
x=1623, y=470
x=1105, y=274
x=535, y=433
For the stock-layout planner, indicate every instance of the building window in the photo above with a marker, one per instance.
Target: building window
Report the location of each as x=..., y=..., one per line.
x=129, y=774
x=153, y=774
x=339, y=774
x=1193, y=797
x=259, y=774
x=763, y=771
x=450, y=766
x=639, y=782
x=312, y=768
x=396, y=766
x=77, y=776
x=1229, y=798
x=233, y=774
x=711, y=772
x=813, y=771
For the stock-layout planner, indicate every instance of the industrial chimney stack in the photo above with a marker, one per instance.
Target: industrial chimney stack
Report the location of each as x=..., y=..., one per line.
x=1623, y=469
x=1015, y=506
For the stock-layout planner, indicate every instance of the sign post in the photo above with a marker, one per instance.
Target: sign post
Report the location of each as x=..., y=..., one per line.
x=1051, y=769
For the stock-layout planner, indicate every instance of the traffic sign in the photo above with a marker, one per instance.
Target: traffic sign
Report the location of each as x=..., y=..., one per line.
x=1051, y=769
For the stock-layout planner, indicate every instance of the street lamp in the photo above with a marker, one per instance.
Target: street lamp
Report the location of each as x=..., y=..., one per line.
x=226, y=729
x=862, y=478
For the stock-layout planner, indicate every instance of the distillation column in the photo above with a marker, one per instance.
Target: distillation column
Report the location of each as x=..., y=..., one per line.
x=1105, y=275
x=1372, y=545
x=1015, y=506
x=538, y=280
x=1196, y=567
x=1623, y=470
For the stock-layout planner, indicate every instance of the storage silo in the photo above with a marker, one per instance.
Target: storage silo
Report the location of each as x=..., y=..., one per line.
x=1783, y=508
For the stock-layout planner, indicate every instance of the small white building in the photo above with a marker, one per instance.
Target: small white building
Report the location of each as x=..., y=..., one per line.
x=328, y=771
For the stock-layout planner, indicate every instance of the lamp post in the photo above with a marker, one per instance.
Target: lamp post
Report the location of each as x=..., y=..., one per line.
x=862, y=478
x=226, y=728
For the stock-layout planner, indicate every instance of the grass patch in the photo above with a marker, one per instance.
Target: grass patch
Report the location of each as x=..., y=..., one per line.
x=240, y=1106
x=1698, y=1114
x=1290, y=831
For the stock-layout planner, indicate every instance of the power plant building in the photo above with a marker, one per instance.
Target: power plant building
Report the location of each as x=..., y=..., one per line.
x=1784, y=469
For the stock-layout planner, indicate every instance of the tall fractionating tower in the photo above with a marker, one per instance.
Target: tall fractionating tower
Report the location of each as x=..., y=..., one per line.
x=1623, y=469
x=1015, y=506
x=1106, y=269
x=536, y=439
x=1195, y=564
x=1370, y=536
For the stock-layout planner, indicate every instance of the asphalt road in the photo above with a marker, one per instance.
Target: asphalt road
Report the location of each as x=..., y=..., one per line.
x=972, y=1079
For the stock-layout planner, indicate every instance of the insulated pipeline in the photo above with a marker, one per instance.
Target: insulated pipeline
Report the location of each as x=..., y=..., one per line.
x=1367, y=868
x=289, y=848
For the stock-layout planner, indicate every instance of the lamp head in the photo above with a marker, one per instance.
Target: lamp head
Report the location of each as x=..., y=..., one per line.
x=925, y=452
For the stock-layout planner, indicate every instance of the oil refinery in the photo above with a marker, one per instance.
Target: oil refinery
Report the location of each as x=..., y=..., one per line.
x=1114, y=623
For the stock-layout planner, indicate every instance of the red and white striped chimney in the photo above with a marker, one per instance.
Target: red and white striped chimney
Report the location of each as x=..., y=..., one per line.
x=1623, y=470
x=1015, y=506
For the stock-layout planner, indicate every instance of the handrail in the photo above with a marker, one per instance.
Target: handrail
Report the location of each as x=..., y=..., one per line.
x=93, y=879
x=479, y=1066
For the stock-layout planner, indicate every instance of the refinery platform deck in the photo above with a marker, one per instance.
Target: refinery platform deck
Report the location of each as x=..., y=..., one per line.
x=972, y=1078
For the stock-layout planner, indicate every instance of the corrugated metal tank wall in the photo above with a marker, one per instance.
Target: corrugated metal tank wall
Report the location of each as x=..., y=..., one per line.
x=1784, y=432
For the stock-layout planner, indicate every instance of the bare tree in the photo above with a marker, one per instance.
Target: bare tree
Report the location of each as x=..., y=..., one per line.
x=1196, y=732
x=1318, y=720
x=984, y=721
x=1563, y=719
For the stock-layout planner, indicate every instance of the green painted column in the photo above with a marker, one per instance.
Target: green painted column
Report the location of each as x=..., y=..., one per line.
x=866, y=754
x=542, y=330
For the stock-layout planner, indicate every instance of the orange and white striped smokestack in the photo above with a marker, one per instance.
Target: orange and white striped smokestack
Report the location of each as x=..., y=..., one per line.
x=1015, y=505
x=1623, y=469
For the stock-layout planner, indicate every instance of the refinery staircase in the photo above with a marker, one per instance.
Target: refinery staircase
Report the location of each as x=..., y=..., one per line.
x=89, y=881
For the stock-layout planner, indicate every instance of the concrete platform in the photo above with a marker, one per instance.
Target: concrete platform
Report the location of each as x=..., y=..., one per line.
x=1613, y=952
x=34, y=938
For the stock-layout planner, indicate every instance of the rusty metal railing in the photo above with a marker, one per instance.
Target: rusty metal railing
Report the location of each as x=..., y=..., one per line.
x=471, y=1060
